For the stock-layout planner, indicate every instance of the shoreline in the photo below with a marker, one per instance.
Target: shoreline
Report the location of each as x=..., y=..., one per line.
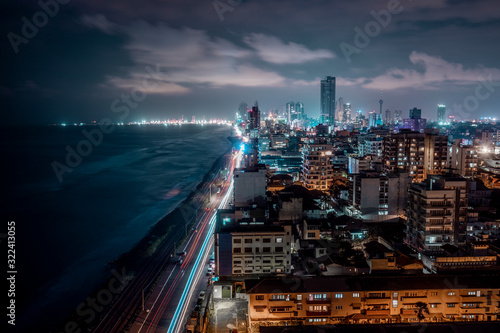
x=156, y=239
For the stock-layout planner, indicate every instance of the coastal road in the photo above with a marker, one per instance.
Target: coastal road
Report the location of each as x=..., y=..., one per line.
x=172, y=299
x=175, y=277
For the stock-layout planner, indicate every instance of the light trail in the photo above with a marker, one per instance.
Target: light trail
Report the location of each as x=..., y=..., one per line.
x=195, y=274
x=182, y=302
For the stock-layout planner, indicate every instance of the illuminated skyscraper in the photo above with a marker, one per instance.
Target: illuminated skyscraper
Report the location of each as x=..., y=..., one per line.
x=290, y=111
x=299, y=108
x=441, y=112
x=328, y=100
x=254, y=117
x=347, y=113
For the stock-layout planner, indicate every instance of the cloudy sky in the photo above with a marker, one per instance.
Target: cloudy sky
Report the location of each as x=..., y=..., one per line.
x=87, y=60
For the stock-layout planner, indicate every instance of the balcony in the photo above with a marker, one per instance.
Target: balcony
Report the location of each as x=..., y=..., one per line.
x=413, y=297
x=318, y=313
x=378, y=300
x=378, y=312
x=319, y=301
x=471, y=310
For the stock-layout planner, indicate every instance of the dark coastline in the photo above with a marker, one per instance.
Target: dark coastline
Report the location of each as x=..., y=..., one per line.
x=159, y=236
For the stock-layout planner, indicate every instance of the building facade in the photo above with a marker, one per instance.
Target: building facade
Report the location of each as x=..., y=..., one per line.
x=418, y=154
x=462, y=159
x=318, y=165
x=379, y=197
x=437, y=213
x=373, y=300
x=250, y=247
x=328, y=100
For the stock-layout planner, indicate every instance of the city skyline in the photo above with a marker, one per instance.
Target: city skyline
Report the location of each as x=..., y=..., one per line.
x=78, y=62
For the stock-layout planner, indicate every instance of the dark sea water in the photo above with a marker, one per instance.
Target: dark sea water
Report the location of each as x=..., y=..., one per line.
x=66, y=232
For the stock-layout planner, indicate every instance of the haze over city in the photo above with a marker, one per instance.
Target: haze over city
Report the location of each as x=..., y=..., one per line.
x=216, y=54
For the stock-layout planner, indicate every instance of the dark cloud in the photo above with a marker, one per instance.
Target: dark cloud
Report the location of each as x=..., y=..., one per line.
x=90, y=52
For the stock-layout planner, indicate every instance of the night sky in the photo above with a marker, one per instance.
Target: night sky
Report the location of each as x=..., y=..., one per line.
x=204, y=57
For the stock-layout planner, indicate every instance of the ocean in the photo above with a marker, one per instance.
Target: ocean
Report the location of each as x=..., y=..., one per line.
x=67, y=231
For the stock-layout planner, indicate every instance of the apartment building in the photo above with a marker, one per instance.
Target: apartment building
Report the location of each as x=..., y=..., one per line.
x=251, y=246
x=418, y=154
x=373, y=300
x=249, y=184
x=318, y=164
x=379, y=197
x=437, y=213
x=463, y=159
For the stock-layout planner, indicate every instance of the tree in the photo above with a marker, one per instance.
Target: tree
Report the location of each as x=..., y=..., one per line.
x=422, y=307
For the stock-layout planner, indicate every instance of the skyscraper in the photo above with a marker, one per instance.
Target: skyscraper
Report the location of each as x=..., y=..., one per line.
x=299, y=108
x=328, y=100
x=441, y=112
x=290, y=112
x=254, y=117
x=415, y=113
x=347, y=113
x=387, y=116
x=339, y=110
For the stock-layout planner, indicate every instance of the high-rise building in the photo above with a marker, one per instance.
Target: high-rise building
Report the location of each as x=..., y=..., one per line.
x=415, y=113
x=328, y=100
x=299, y=108
x=380, y=102
x=254, y=117
x=372, y=119
x=318, y=165
x=437, y=213
x=387, y=116
x=418, y=154
x=251, y=246
x=462, y=159
x=392, y=195
x=441, y=112
x=290, y=111
x=397, y=116
x=339, y=111
x=243, y=110
x=347, y=113
x=415, y=124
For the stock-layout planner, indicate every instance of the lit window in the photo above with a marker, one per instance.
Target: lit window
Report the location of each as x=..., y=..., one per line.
x=339, y=295
x=355, y=295
x=394, y=303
